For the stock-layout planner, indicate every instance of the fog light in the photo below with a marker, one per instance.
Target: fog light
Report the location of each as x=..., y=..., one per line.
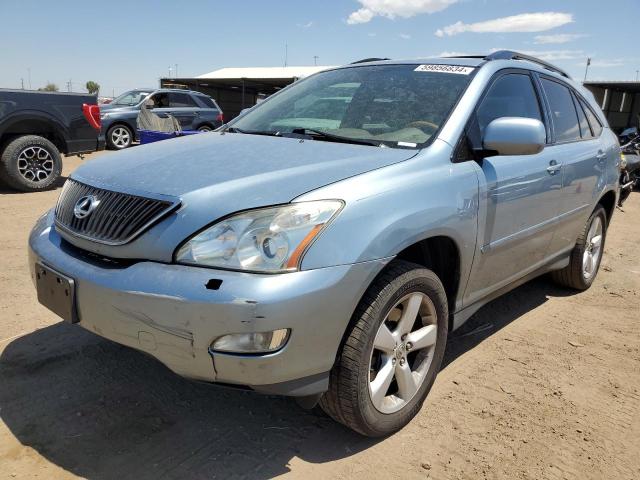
x=261, y=342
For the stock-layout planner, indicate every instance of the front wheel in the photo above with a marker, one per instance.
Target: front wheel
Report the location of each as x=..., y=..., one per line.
x=392, y=353
x=586, y=255
x=119, y=137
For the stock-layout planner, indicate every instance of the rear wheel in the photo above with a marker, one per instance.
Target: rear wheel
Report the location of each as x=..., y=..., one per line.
x=119, y=137
x=30, y=163
x=586, y=255
x=205, y=128
x=392, y=353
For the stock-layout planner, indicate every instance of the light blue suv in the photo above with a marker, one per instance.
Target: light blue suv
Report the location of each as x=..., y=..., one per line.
x=325, y=243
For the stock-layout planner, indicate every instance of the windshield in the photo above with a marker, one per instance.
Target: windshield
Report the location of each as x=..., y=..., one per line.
x=395, y=105
x=134, y=97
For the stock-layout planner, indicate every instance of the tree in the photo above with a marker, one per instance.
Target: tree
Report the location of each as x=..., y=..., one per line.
x=92, y=87
x=49, y=87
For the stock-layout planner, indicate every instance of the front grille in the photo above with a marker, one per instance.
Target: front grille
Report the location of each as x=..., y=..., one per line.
x=118, y=217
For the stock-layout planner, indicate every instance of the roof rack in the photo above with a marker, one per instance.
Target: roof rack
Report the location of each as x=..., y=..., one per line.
x=510, y=55
x=372, y=59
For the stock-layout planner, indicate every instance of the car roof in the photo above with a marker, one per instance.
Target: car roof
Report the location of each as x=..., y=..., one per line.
x=504, y=57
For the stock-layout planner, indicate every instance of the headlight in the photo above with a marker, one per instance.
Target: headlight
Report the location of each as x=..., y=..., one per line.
x=270, y=239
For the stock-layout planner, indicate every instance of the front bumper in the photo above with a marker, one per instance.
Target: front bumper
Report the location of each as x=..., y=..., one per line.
x=166, y=310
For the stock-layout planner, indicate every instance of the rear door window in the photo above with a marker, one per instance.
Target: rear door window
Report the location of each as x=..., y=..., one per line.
x=563, y=111
x=512, y=95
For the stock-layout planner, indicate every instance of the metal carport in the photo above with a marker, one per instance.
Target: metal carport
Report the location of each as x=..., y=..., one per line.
x=237, y=88
x=619, y=100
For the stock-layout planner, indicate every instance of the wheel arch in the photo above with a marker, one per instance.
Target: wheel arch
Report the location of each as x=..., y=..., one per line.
x=123, y=123
x=35, y=123
x=206, y=123
x=608, y=202
x=441, y=255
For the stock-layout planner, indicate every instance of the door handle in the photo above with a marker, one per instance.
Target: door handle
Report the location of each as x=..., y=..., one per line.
x=554, y=167
x=601, y=156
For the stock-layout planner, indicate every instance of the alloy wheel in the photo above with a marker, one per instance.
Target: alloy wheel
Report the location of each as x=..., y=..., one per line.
x=593, y=249
x=120, y=137
x=403, y=351
x=35, y=164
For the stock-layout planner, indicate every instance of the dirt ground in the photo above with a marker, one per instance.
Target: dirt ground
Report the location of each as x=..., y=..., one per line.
x=542, y=383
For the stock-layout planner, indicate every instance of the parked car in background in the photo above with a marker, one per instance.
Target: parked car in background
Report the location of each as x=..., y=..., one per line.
x=36, y=127
x=330, y=264
x=193, y=110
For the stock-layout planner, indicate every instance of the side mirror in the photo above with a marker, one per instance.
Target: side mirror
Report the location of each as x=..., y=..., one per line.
x=244, y=110
x=515, y=136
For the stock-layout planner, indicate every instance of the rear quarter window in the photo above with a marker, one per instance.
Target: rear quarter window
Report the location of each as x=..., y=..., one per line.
x=207, y=101
x=585, y=129
x=596, y=126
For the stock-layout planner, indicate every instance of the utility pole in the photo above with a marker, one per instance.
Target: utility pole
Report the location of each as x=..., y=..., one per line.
x=586, y=70
x=169, y=71
x=22, y=82
x=69, y=86
x=286, y=54
x=29, y=75
x=315, y=59
x=637, y=71
x=175, y=72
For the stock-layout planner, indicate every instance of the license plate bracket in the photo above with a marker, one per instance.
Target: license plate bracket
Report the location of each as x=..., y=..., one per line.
x=57, y=292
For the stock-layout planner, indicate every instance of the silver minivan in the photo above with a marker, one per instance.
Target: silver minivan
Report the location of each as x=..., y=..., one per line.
x=325, y=243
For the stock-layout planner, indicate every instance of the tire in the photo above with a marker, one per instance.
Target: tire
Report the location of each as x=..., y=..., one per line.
x=205, y=128
x=574, y=275
x=30, y=164
x=359, y=365
x=119, y=137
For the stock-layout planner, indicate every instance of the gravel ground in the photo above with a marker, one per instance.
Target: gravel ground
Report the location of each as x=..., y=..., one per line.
x=542, y=383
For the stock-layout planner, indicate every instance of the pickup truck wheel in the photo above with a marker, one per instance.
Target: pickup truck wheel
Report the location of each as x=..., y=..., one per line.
x=119, y=137
x=392, y=352
x=586, y=255
x=30, y=163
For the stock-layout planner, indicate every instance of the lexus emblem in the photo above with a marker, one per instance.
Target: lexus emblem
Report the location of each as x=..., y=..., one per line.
x=85, y=206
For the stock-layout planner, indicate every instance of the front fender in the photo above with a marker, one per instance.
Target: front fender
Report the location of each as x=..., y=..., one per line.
x=394, y=207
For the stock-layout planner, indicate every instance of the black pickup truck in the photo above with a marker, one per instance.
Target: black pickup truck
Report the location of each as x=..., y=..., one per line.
x=36, y=127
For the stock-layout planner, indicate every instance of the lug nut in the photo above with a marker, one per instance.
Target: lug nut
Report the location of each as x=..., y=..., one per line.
x=393, y=361
x=404, y=337
x=409, y=345
x=402, y=361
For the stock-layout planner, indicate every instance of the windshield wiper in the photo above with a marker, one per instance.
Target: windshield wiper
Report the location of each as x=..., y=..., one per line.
x=252, y=132
x=319, y=134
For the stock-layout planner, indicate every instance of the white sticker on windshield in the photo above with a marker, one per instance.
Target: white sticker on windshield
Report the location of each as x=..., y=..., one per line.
x=457, y=69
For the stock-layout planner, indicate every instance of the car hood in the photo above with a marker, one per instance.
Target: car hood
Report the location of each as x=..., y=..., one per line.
x=264, y=170
x=216, y=174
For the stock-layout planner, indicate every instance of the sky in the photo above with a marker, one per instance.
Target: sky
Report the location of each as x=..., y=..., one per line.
x=130, y=44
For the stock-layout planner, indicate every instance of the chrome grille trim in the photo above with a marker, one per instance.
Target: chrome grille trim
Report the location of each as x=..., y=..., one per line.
x=119, y=217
